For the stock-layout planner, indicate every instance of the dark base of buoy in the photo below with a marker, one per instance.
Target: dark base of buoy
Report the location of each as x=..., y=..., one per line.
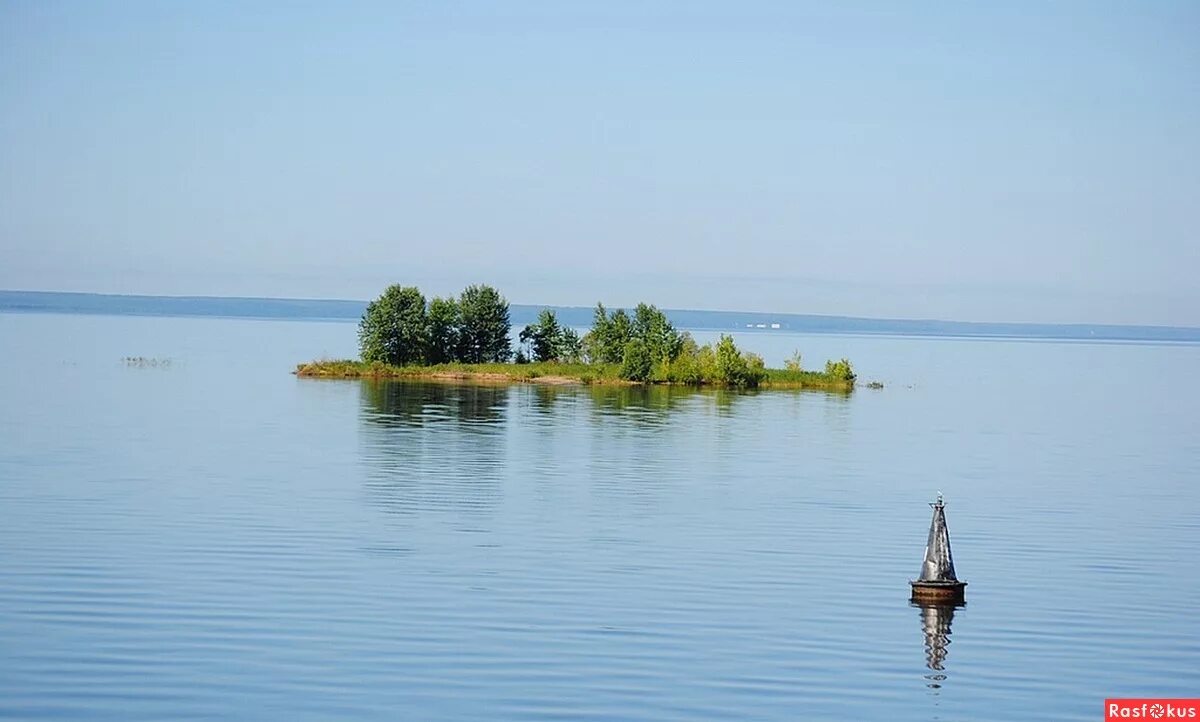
x=942, y=592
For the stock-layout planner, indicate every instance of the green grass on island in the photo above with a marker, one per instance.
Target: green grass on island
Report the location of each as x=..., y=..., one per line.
x=552, y=372
x=469, y=337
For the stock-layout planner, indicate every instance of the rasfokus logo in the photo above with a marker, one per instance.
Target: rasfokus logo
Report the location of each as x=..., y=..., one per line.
x=1164, y=709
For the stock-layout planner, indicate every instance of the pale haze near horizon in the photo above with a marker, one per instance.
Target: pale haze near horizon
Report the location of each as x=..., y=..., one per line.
x=987, y=162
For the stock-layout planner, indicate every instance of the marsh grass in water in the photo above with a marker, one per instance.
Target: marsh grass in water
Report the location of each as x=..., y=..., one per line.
x=142, y=362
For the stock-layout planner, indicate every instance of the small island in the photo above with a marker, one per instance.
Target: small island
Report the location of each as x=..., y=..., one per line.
x=468, y=338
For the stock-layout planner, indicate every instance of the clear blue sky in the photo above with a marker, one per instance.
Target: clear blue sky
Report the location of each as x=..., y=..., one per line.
x=973, y=161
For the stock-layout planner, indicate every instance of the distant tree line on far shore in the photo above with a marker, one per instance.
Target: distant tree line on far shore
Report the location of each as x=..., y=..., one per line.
x=401, y=328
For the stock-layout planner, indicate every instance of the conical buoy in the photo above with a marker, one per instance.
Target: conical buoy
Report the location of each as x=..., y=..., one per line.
x=938, y=582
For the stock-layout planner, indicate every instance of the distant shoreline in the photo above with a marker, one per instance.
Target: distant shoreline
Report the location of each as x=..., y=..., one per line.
x=278, y=309
x=548, y=373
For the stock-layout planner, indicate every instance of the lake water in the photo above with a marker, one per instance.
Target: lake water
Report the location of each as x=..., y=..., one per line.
x=213, y=537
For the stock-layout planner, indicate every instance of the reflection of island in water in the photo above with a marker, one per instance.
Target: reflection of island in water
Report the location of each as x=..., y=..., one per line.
x=434, y=447
x=935, y=623
x=400, y=404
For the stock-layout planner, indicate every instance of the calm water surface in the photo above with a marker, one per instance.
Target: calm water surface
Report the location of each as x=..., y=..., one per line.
x=213, y=537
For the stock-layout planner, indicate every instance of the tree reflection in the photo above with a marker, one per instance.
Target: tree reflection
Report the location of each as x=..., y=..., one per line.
x=653, y=404
x=403, y=403
x=433, y=446
x=545, y=396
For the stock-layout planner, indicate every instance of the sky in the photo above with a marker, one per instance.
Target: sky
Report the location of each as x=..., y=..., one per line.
x=978, y=161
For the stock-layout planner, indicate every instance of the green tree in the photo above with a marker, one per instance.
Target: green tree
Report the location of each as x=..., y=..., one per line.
x=394, y=328
x=543, y=337
x=636, y=363
x=620, y=332
x=685, y=367
x=594, y=341
x=840, y=370
x=734, y=368
x=731, y=367
x=756, y=369
x=570, y=346
x=547, y=340
x=484, y=326
x=444, y=320
x=600, y=319
x=605, y=343
x=651, y=327
x=794, y=362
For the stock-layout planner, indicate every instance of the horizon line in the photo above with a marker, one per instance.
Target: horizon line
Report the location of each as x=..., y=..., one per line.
x=694, y=310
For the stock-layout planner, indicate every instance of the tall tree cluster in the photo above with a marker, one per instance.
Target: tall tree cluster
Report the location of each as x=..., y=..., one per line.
x=548, y=340
x=400, y=328
x=648, y=336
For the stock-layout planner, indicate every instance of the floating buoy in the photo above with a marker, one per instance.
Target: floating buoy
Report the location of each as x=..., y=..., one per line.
x=938, y=582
